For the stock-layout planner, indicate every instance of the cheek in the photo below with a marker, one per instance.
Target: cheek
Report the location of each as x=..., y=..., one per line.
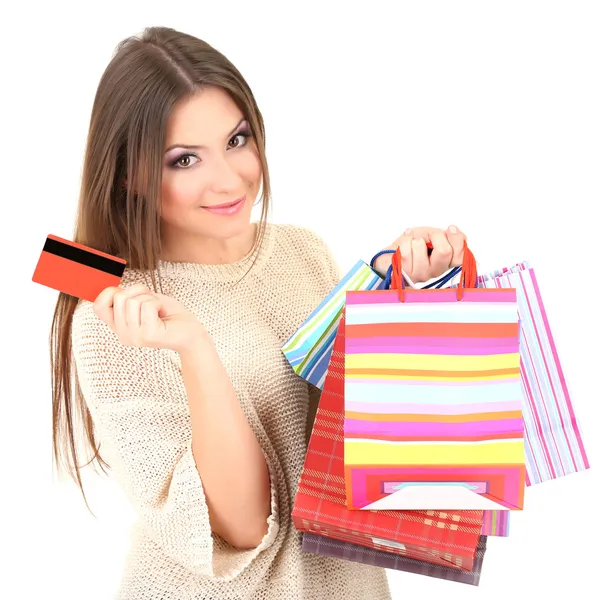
x=179, y=194
x=249, y=167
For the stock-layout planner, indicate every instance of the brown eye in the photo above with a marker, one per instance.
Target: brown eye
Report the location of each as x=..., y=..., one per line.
x=183, y=162
x=245, y=135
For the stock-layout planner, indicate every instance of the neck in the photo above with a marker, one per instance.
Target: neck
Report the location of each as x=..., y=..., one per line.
x=209, y=251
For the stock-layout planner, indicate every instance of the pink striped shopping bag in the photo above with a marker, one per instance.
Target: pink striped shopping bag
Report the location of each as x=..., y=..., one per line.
x=433, y=397
x=553, y=442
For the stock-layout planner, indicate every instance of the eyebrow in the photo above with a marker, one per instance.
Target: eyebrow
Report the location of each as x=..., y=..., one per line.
x=191, y=147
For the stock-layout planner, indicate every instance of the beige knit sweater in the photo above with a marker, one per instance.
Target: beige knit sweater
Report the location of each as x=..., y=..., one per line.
x=138, y=402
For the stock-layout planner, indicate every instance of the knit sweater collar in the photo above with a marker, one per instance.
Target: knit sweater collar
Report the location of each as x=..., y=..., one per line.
x=226, y=272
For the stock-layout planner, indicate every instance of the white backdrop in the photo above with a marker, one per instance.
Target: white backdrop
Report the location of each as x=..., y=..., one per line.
x=379, y=117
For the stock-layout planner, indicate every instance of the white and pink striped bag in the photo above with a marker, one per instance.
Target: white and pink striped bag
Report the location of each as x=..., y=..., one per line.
x=553, y=444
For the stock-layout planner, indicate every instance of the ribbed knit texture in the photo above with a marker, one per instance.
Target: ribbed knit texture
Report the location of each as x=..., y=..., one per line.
x=139, y=406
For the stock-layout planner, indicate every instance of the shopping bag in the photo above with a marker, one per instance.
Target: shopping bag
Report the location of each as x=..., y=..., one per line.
x=496, y=523
x=308, y=349
x=433, y=397
x=447, y=538
x=320, y=545
x=553, y=441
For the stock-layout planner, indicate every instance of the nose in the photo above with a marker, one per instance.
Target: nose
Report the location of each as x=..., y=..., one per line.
x=225, y=176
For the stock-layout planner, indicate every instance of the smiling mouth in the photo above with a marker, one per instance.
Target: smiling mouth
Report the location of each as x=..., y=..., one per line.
x=227, y=204
x=229, y=208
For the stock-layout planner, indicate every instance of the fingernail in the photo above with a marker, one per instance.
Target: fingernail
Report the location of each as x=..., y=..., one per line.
x=452, y=229
x=407, y=231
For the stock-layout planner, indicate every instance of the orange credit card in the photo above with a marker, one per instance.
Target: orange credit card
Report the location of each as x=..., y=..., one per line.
x=76, y=269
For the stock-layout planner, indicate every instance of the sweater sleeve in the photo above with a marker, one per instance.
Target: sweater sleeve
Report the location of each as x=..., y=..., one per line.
x=138, y=403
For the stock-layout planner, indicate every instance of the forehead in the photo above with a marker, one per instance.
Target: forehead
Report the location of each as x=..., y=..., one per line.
x=203, y=118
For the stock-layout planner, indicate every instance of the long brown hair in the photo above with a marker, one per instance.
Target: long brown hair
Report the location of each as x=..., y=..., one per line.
x=119, y=200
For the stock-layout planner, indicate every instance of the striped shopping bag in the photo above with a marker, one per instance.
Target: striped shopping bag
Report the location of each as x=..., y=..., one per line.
x=447, y=538
x=553, y=441
x=433, y=397
x=308, y=350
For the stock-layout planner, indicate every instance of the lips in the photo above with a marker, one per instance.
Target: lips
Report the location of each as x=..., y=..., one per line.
x=226, y=204
x=228, y=208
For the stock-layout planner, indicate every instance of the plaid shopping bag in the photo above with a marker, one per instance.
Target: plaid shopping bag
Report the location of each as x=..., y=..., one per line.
x=433, y=397
x=439, y=537
x=317, y=544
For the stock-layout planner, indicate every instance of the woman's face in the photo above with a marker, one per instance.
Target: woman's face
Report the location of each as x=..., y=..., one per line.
x=219, y=166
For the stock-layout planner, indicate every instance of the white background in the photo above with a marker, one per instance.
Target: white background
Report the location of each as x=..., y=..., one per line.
x=379, y=116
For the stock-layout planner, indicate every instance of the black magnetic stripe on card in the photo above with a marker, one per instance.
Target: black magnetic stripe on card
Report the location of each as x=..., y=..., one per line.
x=84, y=257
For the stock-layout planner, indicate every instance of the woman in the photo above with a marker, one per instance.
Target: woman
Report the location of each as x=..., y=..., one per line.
x=181, y=378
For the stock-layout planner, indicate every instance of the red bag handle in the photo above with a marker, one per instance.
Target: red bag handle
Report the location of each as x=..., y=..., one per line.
x=467, y=280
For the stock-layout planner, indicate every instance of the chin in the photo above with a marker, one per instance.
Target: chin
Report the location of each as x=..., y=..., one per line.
x=228, y=228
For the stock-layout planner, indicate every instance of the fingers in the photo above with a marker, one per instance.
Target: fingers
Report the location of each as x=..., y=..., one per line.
x=149, y=312
x=441, y=257
x=447, y=251
x=420, y=266
x=121, y=313
x=404, y=242
x=127, y=310
x=136, y=318
x=150, y=322
x=103, y=305
x=133, y=310
x=456, y=239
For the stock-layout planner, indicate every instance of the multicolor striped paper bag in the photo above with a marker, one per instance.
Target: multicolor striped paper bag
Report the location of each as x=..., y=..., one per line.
x=317, y=544
x=553, y=443
x=433, y=398
x=447, y=538
x=308, y=349
x=496, y=523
